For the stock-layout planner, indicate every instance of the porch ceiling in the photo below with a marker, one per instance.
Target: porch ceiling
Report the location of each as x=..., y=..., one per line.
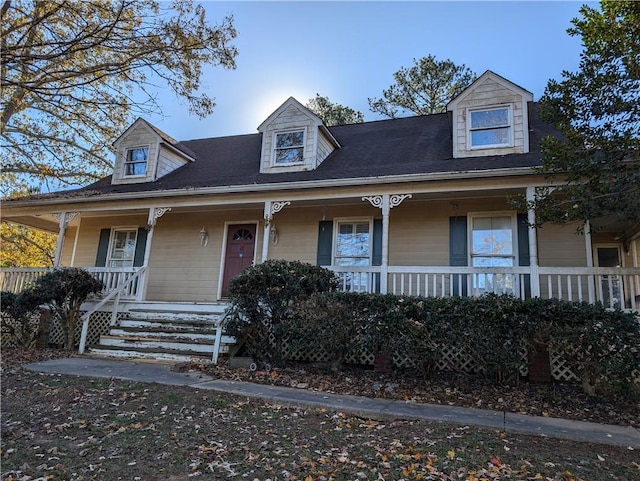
x=42, y=222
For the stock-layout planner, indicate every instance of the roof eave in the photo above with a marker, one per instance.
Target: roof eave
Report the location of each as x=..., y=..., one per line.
x=297, y=185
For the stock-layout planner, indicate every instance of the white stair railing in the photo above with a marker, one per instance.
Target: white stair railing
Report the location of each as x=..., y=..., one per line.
x=113, y=294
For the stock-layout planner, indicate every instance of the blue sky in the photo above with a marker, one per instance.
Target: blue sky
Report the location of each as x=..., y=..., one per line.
x=348, y=51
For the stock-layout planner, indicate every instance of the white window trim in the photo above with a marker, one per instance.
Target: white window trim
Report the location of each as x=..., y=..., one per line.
x=514, y=233
x=344, y=220
x=510, y=143
x=607, y=245
x=112, y=238
x=275, y=149
x=125, y=163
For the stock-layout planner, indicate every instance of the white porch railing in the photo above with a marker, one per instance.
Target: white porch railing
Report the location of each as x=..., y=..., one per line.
x=16, y=279
x=612, y=286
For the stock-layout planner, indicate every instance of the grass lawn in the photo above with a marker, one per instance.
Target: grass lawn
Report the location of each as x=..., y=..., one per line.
x=64, y=427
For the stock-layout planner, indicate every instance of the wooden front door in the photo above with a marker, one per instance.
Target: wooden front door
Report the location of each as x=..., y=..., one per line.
x=239, y=254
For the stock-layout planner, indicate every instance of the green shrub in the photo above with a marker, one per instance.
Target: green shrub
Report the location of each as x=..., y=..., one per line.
x=21, y=317
x=263, y=298
x=332, y=322
x=278, y=301
x=605, y=346
x=64, y=291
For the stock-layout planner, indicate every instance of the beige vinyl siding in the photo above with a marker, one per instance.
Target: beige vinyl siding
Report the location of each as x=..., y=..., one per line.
x=168, y=161
x=561, y=246
x=419, y=234
x=325, y=147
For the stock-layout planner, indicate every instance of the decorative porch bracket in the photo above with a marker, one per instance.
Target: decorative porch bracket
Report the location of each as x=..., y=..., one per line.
x=154, y=214
x=385, y=202
x=270, y=209
x=63, y=221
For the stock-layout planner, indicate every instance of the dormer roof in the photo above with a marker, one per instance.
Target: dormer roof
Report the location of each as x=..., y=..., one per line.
x=486, y=77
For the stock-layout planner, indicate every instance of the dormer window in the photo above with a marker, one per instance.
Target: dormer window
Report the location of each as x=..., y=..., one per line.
x=289, y=147
x=490, y=128
x=136, y=161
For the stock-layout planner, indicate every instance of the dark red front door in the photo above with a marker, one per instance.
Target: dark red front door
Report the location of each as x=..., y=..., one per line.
x=241, y=241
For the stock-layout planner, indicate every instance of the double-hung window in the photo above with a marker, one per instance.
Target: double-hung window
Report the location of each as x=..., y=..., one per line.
x=490, y=127
x=123, y=247
x=136, y=161
x=353, y=248
x=289, y=147
x=492, y=245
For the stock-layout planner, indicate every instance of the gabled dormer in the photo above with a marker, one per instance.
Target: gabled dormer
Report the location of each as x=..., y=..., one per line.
x=490, y=118
x=294, y=139
x=145, y=153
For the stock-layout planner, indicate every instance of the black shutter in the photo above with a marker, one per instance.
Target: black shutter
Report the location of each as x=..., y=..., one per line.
x=458, y=254
x=376, y=247
x=141, y=244
x=523, y=250
x=103, y=247
x=325, y=242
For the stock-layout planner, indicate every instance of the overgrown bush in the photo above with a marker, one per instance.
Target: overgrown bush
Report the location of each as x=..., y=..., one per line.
x=331, y=322
x=605, y=346
x=280, y=301
x=262, y=301
x=347, y=325
x=64, y=290
x=20, y=317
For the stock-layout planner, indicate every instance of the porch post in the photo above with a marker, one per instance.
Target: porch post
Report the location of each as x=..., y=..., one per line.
x=385, y=202
x=270, y=208
x=589, y=250
x=154, y=214
x=384, y=268
x=533, y=244
x=265, y=233
x=63, y=220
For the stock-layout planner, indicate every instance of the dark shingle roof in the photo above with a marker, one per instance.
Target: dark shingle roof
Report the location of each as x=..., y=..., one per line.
x=412, y=145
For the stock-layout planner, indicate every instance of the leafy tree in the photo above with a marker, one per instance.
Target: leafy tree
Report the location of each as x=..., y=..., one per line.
x=23, y=247
x=333, y=114
x=597, y=108
x=425, y=88
x=74, y=73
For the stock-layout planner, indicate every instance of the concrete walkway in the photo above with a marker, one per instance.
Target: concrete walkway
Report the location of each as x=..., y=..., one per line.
x=361, y=406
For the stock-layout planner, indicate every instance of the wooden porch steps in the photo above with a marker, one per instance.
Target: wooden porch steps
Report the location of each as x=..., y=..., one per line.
x=164, y=335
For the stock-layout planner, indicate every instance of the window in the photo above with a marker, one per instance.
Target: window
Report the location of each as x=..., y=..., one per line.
x=490, y=127
x=492, y=246
x=136, y=161
x=123, y=248
x=353, y=244
x=289, y=147
x=353, y=248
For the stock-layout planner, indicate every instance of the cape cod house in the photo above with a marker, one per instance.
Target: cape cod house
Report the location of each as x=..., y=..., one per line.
x=415, y=205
